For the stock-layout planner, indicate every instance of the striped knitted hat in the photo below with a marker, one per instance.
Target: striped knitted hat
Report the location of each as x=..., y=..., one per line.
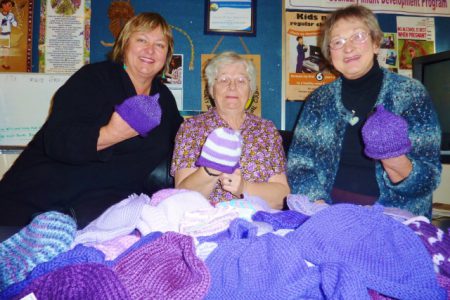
x=48, y=235
x=221, y=151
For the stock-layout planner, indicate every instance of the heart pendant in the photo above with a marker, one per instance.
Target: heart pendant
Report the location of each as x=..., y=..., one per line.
x=354, y=120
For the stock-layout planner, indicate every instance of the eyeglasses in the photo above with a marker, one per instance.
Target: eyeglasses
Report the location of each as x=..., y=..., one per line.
x=356, y=38
x=225, y=81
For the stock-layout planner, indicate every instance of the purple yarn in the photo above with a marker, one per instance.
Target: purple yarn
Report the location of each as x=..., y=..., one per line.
x=166, y=268
x=77, y=255
x=385, y=135
x=382, y=253
x=141, y=112
x=287, y=219
x=79, y=281
x=238, y=229
x=437, y=243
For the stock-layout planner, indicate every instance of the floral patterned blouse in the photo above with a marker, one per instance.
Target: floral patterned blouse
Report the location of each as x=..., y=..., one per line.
x=262, y=153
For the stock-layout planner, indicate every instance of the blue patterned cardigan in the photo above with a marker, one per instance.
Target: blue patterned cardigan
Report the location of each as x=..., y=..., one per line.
x=314, y=154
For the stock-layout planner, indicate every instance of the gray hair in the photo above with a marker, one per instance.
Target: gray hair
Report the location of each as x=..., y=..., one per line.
x=228, y=58
x=350, y=12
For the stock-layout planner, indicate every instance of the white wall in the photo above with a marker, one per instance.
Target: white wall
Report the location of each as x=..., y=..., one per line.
x=442, y=194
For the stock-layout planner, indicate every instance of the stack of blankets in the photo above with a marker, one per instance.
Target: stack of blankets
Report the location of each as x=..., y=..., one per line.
x=175, y=245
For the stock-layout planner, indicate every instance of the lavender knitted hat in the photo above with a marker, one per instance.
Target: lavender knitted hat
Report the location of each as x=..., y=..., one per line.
x=48, y=235
x=167, y=268
x=141, y=112
x=78, y=281
x=385, y=135
x=221, y=151
x=266, y=267
x=384, y=254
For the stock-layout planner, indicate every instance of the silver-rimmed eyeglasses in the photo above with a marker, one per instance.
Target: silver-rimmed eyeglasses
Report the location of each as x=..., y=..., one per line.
x=357, y=38
x=225, y=81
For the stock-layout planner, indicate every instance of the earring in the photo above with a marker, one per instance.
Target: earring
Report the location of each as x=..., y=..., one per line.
x=125, y=67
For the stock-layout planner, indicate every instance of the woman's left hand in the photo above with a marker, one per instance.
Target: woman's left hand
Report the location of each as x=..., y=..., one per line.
x=233, y=183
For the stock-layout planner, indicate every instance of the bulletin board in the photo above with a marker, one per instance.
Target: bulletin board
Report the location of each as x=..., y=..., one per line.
x=25, y=100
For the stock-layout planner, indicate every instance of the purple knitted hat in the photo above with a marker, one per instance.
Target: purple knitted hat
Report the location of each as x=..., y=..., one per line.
x=385, y=135
x=271, y=267
x=78, y=281
x=382, y=253
x=166, y=268
x=221, y=151
x=141, y=112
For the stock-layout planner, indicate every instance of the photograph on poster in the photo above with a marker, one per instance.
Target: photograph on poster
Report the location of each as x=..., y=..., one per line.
x=15, y=35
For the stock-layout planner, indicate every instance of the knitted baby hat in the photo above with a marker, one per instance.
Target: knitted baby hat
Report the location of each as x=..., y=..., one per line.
x=141, y=112
x=78, y=281
x=385, y=135
x=48, y=235
x=118, y=220
x=166, y=268
x=265, y=267
x=79, y=254
x=383, y=254
x=437, y=243
x=221, y=151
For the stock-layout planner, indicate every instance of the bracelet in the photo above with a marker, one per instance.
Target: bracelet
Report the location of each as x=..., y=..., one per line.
x=209, y=173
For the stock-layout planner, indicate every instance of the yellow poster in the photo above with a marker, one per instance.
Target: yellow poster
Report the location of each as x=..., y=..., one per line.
x=305, y=66
x=253, y=104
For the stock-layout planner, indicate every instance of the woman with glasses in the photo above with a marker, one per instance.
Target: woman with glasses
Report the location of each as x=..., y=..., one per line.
x=261, y=163
x=371, y=136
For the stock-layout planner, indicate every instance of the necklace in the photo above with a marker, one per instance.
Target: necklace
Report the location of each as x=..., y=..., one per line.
x=354, y=120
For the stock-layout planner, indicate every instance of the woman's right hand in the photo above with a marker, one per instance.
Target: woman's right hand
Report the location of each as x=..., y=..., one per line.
x=116, y=131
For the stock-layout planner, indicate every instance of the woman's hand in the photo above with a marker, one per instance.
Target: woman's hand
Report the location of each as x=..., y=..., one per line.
x=233, y=183
x=397, y=168
x=116, y=131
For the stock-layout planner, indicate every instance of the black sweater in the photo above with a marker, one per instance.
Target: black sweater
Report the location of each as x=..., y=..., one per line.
x=61, y=168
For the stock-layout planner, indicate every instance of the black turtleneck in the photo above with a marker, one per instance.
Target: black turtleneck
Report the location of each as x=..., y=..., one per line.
x=356, y=172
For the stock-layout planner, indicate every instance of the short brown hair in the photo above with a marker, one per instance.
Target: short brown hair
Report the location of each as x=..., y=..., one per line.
x=142, y=22
x=350, y=12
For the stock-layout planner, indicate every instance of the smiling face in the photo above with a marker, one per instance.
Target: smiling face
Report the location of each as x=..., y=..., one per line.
x=145, y=54
x=353, y=60
x=231, y=89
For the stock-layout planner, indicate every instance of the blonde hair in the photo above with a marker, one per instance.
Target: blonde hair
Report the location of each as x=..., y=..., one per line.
x=350, y=12
x=142, y=22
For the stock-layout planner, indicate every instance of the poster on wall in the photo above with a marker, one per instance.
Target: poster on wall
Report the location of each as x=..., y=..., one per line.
x=388, y=52
x=16, y=19
x=253, y=105
x=416, y=37
x=306, y=68
x=64, y=35
x=174, y=79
